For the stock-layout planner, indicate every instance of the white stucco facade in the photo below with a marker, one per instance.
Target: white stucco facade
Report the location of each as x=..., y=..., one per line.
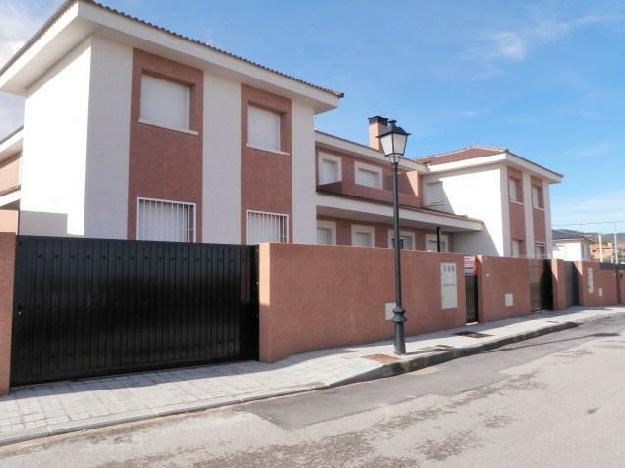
x=108, y=140
x=55, y=147
x=303, y=175
x=476, y=193
x=221, y=163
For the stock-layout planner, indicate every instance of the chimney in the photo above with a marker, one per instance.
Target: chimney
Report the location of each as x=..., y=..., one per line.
x=377, y=125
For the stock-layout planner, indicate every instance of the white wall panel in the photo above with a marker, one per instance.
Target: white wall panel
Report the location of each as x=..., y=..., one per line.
x=221, y=165
x=303, y=173
x=477, y=194
x=55, y=145
x=108, y=143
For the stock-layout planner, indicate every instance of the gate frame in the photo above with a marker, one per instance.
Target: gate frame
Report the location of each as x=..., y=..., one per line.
x=246, y=335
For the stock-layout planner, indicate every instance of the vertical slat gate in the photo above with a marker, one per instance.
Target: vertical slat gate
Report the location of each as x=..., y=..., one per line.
x=86, y=307
x=541, y=284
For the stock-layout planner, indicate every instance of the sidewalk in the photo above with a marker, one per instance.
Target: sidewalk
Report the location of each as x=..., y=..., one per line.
x=55, y=408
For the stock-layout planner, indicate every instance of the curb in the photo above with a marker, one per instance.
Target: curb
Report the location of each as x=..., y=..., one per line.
x=438, y=357
x=386, y=370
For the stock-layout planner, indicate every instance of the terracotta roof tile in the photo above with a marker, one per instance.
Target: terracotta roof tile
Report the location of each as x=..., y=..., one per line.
x=65, y=6
x=469, y=152
x=429, y=211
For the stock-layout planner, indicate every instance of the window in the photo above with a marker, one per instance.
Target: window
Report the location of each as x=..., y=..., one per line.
x=164, y=220
x=514, y=188
x=406, y=240
x=540, y=250
x=363, y=236
x=329, y=169
x=267, y=227
x=369, y=176
x=434, y=193
x=431, y=244
x=164, y=103
x=517, y=247
x=263, y=129
x=326, y=233
x=537, y=196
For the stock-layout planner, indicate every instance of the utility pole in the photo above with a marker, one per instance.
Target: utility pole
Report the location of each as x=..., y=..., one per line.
x=600, y=248
x=615, y=245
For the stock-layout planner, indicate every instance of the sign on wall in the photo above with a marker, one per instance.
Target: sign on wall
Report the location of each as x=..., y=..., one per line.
x=469, y=265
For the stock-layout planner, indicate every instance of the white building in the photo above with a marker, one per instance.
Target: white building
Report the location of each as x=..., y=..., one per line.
x=134, y=132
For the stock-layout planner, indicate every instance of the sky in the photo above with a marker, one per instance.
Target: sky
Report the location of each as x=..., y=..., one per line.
x=545, y=79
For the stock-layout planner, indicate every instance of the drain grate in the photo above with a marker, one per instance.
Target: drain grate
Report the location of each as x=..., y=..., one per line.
x=472, y=334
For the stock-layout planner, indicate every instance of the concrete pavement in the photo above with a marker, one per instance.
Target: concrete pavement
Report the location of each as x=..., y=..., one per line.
x=57, y=408
x=553, y=401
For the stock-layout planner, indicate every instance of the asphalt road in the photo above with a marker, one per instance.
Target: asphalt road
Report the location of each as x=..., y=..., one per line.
x=555, y=401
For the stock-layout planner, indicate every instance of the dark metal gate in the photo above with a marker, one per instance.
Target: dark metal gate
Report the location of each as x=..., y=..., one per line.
x=571, y=284
x=86, y=307
x=541, y=285
x=471, y=285
x=471, y=289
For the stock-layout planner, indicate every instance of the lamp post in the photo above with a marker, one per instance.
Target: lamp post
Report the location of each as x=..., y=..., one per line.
x=393, y=142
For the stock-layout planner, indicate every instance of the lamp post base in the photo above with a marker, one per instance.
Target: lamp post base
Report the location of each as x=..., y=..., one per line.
x=399, y=340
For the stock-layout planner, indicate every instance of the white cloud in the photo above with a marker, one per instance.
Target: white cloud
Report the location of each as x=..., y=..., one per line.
x=18, y=22
x=507, y=45
x=494, y=49
x=598, y=208
x=592, y=151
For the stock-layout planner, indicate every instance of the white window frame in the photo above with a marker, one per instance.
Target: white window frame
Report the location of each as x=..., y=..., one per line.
x=541, y=245
x=280, y=115
x=331, y=225
x=538, y=202
x=364, y=229
x=186, y=128
x=518, y=190
x=359, y=166
x=268, y=213
x=334, y=159
x=162, y=200
x=402, y=235
x=519, y=242
x=432, y=238
x=428, y=193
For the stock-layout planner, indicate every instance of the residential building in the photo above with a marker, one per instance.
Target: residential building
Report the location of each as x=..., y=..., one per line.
x=132, y=131
x=571, y=246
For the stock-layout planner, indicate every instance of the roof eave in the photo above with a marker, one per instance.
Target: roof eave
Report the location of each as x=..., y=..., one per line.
x=358, y=149
x=12, y=144
x=77, y=19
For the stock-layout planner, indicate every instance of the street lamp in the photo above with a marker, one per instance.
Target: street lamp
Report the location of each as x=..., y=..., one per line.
x=393, y=142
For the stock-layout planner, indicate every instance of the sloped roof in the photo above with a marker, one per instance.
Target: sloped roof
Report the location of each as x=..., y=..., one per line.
x=469, y=152
x=65, y=6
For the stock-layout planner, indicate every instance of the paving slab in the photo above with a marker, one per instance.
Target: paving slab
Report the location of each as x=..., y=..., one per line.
x=60, y=407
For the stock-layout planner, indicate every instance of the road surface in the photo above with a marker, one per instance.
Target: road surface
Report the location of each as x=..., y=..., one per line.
x=555, y=401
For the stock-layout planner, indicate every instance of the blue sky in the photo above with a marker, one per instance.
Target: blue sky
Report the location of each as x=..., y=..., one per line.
x=542, y=78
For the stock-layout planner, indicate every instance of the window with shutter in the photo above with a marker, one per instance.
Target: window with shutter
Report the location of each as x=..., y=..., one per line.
x=263, y=129
x=164, y=103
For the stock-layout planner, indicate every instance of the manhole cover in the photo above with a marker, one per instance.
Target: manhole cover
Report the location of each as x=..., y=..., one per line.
x=383, y=358
x=472, y=334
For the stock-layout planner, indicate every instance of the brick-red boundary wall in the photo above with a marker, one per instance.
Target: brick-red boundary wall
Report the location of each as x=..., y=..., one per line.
x=497, y=277
x=7, y=271
x=318, y=297
x=558, y=276
x=604, y=281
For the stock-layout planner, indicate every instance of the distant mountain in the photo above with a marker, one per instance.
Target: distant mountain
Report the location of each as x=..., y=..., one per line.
x=573, y=234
